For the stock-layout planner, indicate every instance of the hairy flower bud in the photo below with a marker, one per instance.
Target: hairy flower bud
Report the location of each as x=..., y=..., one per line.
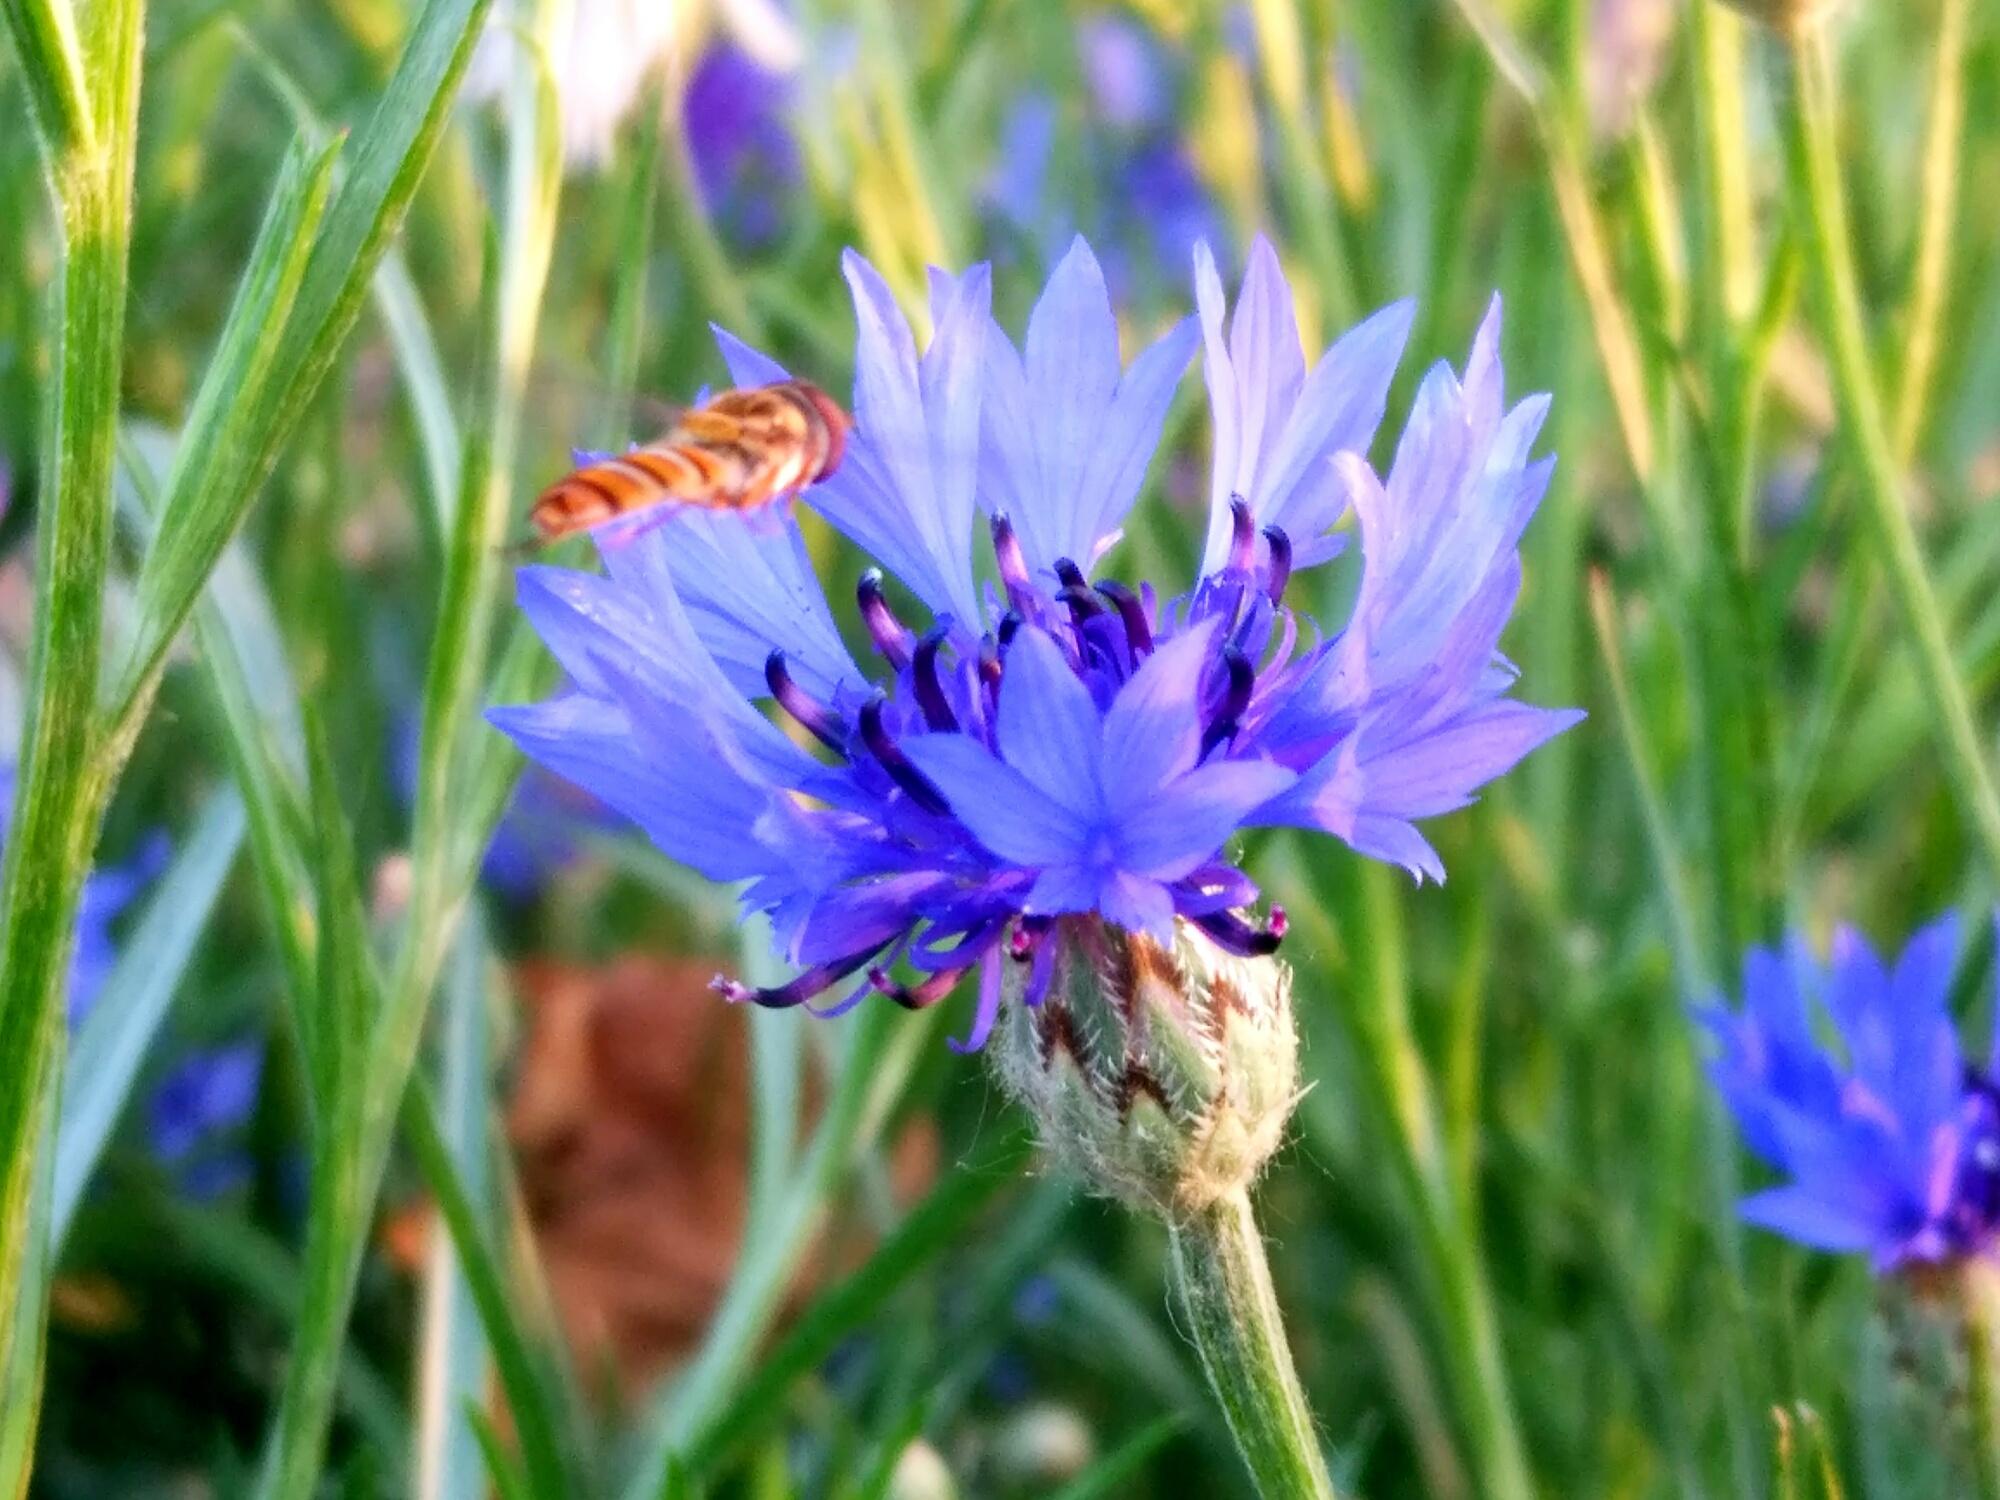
x=1163, y=1078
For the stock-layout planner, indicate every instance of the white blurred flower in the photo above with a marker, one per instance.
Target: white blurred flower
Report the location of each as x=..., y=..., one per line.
x=610, y=51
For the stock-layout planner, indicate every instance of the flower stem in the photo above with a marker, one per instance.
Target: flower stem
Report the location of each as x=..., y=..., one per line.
x=1223, y=1288
x=1981, y=1304
x=1814, y=155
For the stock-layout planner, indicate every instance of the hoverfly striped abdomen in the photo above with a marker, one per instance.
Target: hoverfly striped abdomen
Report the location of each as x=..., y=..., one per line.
x=740, y=451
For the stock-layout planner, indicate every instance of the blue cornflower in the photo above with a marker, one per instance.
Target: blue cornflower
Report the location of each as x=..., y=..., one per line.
x=203, y=1099
x=1124, y=177
x=1890, y=1140
x=1053, y=743
x=736, y=118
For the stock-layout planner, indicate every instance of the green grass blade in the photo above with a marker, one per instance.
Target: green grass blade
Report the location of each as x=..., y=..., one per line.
x=930, y=1229
x=356, y=1147
x=530, y=1394
x=59, y=797
x=21, y=1356
x=115, y=1038
x=401, y=308
x=1123, y=1462
x=44, y=33
x=880, y=1051
x=224, y=424
x=384, y=164
x=509, y=1481
x=454, y=1365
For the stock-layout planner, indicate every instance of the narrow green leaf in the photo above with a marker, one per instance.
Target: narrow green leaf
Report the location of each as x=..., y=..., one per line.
x=21, y=1354
x=934, y=1225
x=385, y=162
x=222, y=427
x=530, y=1396
x=508, y=1478
x=44, y=33
x=401, y=307
x=1122, y=1462
x=115, y=1038
x=58, y=798
x=242, y=659
x=454, y=1367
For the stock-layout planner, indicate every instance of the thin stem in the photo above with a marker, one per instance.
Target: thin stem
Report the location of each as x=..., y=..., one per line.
x=1222, y=1286
x=60, y=798
x=1980, y=1302
x=1813, y=153
x=354, y=1149
x=1937, y=225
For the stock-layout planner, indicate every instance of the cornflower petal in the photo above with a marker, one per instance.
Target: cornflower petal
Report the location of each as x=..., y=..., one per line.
x=1067, y=435
x=1049, y=728
x=904, y=490
x=1276, y=428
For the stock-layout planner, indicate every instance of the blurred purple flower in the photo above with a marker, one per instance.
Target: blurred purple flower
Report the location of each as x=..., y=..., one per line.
x=1889, y=1141
x=1125, y=74
x=736, y=114
x=1131, y=186
x=203, y=1100
x=1050, y=745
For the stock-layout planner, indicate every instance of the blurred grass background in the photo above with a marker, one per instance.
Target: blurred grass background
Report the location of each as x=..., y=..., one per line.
x=1503, y=1236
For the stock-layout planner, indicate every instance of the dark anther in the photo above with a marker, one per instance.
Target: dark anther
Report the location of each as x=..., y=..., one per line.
x=812, y=715
x=875, y=735
x=1281, y=562
x=1239, y=937
x=1132, y=610
x=888, y=633
x=918, y=996
x=1012, y=561
x=1235, y=698
x=1083, y=603
x=930, y=690
x=1242, y=536
x=1010, y=626
x=1070, y=574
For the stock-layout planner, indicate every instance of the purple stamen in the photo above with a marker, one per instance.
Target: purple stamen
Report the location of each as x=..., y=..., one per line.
x=1027, y=937
x=1235, y=698
x=1070, y=574
x=1281, y=562
x=1237, y=936
x=809, y=713
x=1132, y=610
x=930, y=689
x=875, y=735
x=797, y=990
x=1013, y=563
x=1083, y=604
x=917, y=996
x=1242, y=537
x=891, y=638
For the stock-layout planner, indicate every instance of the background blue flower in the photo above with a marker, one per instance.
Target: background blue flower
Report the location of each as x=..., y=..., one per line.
x=1888, y=1135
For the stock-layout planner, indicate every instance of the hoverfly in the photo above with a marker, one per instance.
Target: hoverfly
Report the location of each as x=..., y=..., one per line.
x=741, y=451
